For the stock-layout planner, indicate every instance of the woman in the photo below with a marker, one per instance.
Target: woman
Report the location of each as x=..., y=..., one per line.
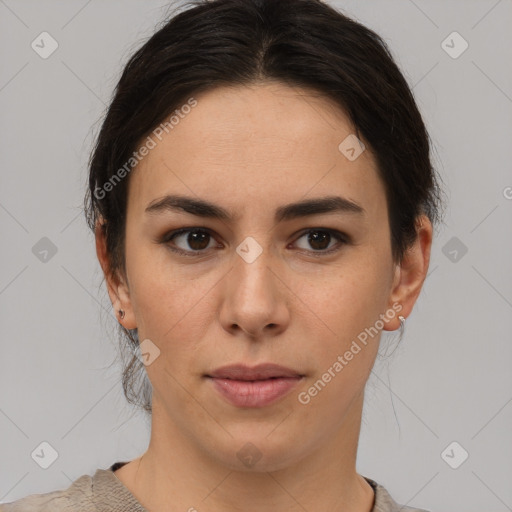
x=263, y=202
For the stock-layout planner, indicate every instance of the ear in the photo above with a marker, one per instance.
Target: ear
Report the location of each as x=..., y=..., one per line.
x=117, y=286
x=411, y=272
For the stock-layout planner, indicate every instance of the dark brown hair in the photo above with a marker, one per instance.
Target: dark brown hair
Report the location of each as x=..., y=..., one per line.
x=304, y=43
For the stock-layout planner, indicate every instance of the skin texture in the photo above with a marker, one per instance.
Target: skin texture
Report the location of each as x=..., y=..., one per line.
x=251, y=150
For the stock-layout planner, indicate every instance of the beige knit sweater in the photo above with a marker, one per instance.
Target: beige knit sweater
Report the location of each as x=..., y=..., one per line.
x=104, y=492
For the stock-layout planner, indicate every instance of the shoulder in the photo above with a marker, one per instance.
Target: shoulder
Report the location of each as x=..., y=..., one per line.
x=385, y=503
x=77, y=497
x=102, y=492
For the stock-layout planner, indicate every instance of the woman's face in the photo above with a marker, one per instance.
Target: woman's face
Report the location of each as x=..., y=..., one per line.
x=266, y=281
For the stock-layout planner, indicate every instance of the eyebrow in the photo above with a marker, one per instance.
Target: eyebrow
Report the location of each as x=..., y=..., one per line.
x=206, y=209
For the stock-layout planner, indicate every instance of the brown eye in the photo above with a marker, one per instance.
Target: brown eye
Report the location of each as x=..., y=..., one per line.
x=191, y=240
x=320, y=239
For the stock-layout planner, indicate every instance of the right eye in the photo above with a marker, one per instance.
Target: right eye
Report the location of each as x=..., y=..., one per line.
x=197, y=240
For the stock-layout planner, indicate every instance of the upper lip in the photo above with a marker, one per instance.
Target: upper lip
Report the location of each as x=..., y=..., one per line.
x=260, y=372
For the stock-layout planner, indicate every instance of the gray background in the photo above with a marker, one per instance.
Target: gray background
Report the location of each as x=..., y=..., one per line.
x=450, y=378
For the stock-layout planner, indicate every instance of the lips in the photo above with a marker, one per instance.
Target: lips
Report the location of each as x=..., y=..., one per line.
x=258, y=386
x=259, y=372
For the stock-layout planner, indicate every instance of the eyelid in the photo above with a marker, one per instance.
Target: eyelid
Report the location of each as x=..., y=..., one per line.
x=171, y=235
x=341, y=237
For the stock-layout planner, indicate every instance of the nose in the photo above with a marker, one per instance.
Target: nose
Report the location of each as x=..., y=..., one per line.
x=255, y=297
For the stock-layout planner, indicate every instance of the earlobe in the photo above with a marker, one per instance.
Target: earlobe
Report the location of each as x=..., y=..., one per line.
x=412, y=271
x=116, y=287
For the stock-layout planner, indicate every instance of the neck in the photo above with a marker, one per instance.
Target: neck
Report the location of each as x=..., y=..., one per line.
x=174, y=474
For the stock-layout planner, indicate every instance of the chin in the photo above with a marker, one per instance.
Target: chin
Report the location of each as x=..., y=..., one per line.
x=258, y=453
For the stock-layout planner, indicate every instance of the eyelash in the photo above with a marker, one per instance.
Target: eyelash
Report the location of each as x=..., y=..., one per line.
x=342, y=239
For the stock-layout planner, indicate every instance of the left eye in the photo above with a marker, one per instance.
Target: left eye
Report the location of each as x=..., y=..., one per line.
x=319, y=239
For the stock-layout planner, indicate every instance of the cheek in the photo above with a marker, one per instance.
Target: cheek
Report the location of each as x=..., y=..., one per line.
x=350, y=292
x=341, y=308
x=343, y=345
x=167, y=305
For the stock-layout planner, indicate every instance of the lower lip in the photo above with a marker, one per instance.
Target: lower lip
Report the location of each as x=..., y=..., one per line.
x=254, y=393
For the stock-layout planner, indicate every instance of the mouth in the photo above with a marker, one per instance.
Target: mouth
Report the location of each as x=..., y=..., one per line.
x=259, y=386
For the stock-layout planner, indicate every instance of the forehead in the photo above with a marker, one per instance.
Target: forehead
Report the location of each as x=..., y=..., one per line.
x=256, y=143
